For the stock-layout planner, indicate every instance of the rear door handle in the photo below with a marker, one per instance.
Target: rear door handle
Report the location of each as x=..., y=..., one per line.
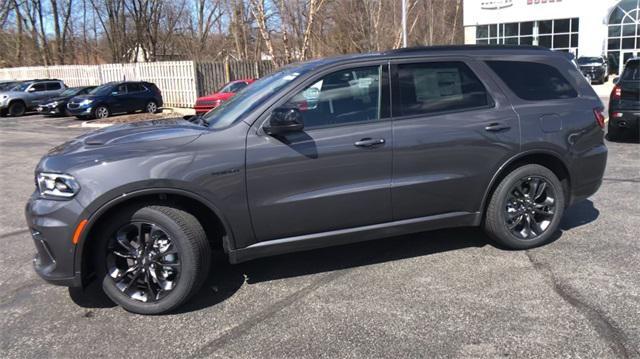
x=497, y=126
x=369, y=142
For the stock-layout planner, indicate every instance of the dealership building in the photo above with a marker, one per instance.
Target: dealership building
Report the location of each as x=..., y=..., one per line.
x=608, y=28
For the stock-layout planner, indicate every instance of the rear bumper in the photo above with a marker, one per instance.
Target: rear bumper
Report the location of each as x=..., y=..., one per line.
x=51, y=225
x=587, y=173
x=625, y=121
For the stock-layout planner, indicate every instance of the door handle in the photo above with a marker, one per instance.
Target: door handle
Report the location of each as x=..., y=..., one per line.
x=369, y=142
x=496, y=127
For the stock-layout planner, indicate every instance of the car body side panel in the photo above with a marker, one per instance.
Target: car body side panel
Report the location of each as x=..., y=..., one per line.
x=443, y=162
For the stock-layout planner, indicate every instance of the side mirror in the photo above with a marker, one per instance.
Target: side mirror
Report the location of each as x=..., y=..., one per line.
x=115, y=93
x=31, y=89
x=616, y=80
x=284, y=120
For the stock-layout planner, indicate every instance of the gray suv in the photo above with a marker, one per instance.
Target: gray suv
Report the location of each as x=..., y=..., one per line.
x=27, y=95
x=322, y=153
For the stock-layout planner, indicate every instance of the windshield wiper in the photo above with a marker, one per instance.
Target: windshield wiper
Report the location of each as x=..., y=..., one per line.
x=198, y=120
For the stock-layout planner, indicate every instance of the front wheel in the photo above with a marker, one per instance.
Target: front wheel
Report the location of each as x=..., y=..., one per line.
x=17, y=108
x=101, y=112
x=526, y=208
x=152, y=259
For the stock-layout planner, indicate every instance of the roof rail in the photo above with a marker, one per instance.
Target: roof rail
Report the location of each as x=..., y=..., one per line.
x=464, y=47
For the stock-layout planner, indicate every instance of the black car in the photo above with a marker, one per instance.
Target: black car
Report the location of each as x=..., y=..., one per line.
x=58, y=105
x=595, y=69
x=624, y=103
x=116, y=97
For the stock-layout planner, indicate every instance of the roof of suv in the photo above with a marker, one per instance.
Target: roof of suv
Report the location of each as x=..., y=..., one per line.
x=447, y=49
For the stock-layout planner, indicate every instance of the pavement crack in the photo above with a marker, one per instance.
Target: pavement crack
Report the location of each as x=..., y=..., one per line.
x=214, y=345
x=604, y=326
x=631, y=180
x=13, y=233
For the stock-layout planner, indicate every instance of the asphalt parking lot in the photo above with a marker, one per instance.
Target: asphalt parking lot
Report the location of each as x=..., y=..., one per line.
x=436, y=294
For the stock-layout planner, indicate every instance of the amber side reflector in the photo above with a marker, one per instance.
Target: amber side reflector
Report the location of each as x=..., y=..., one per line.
x=78, y=231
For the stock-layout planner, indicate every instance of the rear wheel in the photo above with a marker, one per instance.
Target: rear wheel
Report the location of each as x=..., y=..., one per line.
x=151, y=107
x=101, y=112
x=152, y=259
x=17, y=108
x=526, y=208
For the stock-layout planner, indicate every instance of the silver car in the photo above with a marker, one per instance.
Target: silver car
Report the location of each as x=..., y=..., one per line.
x=27, y=95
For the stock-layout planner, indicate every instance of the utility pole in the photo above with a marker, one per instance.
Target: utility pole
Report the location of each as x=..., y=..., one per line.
x=404, y=23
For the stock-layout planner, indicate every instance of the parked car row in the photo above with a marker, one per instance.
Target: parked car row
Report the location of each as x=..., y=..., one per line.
x=53, y=97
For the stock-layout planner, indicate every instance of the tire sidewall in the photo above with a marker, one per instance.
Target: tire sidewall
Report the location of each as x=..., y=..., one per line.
x=499, y=230
x=18, y=103
x=187, y=260
x=146, y=107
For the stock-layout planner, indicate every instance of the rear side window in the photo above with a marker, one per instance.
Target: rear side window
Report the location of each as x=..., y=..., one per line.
x=438, y=87
x=52, y=86
x=135, y=87
x=533, y=81
x=632, y=71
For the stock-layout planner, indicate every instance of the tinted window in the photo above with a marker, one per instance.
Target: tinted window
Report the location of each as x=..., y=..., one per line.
x=438, y=86
x=632, y=71
x=52, y=86
x=135, y=87
x=121, y=89
x=235, y=87
x=39, y=87
x=341, y=97
x=533, y=81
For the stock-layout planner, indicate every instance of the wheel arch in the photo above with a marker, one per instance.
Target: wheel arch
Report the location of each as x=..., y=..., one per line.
x=218, y=231
x=548, y=159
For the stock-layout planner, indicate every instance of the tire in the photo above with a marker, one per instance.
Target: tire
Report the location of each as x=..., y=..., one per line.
x=188, y=267
x=151, y=107
x=535, y=209
x=17, y=109
x=101, y=112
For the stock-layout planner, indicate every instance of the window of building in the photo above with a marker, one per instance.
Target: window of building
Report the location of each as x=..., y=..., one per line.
x=342, y=97
x=624, y=33
x=432, y=87
x=559, y=34
x=533, y=81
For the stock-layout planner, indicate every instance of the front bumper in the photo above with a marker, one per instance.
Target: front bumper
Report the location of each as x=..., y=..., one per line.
x=80, y=111
x=50, y=110
x=51, y=223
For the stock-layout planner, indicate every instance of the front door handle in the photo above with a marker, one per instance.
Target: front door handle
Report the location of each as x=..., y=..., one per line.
x=496, y=127
x=369, y=142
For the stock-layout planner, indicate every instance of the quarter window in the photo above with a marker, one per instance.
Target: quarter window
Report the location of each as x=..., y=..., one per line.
x=135, y=88
x=438, y=86
x=533, y=81
x=341, y=97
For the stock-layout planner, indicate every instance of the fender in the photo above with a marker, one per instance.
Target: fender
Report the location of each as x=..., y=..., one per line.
x=513, y=159
x=228, y=242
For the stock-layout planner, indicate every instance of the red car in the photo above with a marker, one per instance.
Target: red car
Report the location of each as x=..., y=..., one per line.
x=206, y=103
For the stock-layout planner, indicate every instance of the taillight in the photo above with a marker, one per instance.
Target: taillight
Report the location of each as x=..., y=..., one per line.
x=597, y=112
x=616, y=93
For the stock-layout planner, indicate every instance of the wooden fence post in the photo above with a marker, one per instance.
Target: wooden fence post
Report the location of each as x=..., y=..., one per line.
x=227, y=70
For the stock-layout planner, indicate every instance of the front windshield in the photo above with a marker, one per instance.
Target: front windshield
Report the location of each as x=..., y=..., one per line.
x=21, y=87
x=586, y=60
x=252, y=96
x=101, y=90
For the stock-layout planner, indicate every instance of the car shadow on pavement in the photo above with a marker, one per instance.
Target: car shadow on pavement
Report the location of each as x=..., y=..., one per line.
x=226, y=279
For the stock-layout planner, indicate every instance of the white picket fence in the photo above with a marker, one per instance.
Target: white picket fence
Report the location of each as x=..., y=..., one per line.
x=181, y=82
x=176, y=79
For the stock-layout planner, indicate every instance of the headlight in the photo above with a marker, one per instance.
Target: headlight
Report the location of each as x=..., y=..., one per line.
x=3, y=97
x=53, y=104
x=85, y=102
x=57, y=185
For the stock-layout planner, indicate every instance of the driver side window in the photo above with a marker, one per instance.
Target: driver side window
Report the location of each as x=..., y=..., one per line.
x=342, y=97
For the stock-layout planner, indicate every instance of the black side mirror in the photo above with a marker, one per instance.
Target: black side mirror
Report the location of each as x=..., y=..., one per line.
x=284, y=120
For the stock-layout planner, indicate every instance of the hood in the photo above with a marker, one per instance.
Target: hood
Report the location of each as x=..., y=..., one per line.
x=121, y=141
x=58, y=98
x=80, y=98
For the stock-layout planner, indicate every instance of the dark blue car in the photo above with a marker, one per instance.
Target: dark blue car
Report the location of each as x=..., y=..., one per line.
x=116, y=97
